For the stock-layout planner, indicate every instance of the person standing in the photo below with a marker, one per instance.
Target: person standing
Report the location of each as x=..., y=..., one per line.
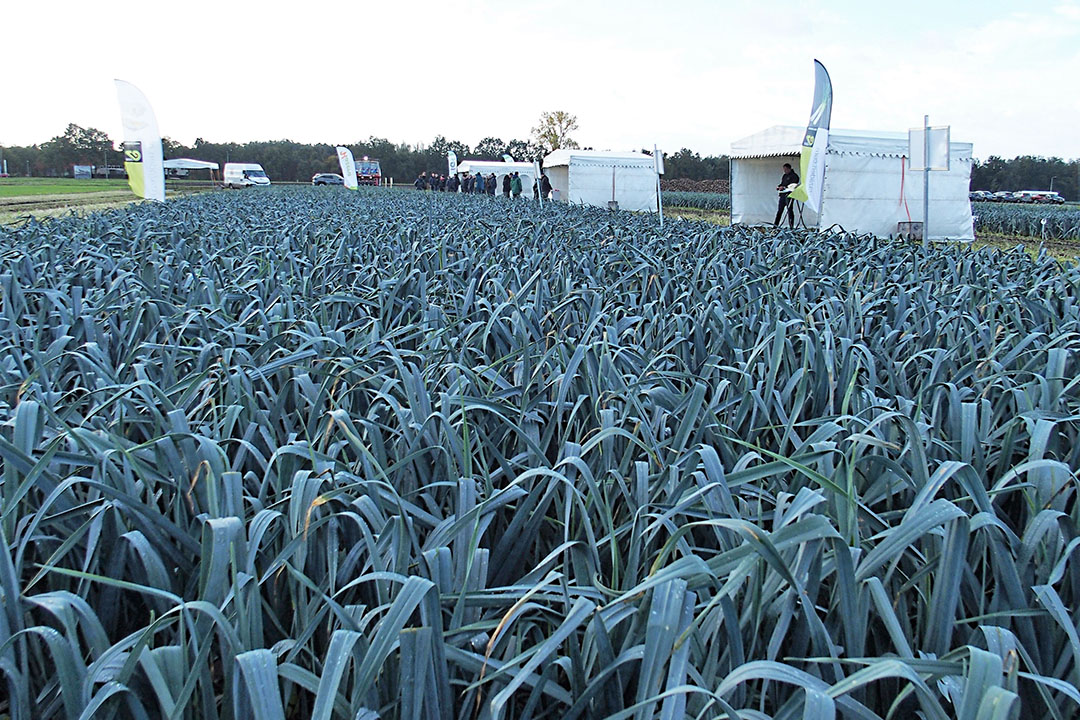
x=515, y=186
x=788, y=182
x=492, y=184
x=421, y=181
x=480, y=183
x=545, y=185
x=506, y=185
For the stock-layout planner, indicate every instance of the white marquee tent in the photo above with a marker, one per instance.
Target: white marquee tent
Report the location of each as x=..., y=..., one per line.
x=595, y=177
x=180, y=167
x=869, y=187
x=525, y=170
x=189, y=164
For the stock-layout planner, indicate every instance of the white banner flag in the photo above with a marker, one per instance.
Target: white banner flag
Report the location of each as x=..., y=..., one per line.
x=815, y=170
x=348, y=167
x=451, y=163
x=142, y=143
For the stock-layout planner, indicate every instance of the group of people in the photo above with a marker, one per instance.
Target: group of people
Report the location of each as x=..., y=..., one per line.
x=479, y=183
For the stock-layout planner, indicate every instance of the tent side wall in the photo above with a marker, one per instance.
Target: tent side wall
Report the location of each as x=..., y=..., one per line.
x=754, y=199
x=559, y=177
x=592, y=184
x=863, y=194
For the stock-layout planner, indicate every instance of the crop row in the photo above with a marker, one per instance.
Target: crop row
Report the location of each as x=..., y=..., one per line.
x=700, y=200
x=353, y=455
x=1037, y=221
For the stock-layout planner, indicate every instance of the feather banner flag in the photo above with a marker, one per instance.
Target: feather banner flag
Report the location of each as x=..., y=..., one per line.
x=815, y=142
x=143, y=158
x=348, y=167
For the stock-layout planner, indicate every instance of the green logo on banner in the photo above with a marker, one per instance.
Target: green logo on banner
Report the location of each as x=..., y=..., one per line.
x=133, y=152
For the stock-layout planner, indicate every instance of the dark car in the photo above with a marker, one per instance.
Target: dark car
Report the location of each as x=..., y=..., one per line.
x=327, y=179
x=980, y=195
x=1004, y=196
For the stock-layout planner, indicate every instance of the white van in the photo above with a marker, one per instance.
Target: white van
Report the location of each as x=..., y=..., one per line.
x=238, y=175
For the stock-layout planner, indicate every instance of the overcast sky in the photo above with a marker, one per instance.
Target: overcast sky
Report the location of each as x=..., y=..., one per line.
x=687, y=73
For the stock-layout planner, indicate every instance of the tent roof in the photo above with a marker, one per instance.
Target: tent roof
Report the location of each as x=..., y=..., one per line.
x=782, y=140
x=189, y=164
x=493, y=165
x=598, y=158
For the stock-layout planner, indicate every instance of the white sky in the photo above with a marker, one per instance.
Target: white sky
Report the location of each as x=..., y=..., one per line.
x=682, y=73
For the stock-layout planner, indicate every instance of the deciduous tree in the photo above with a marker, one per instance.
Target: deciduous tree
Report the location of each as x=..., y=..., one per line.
x=553, y=131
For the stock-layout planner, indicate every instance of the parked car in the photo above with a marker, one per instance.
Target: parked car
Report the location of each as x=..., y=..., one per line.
x=327, y=179
x=980, y=195
x=1052, y=198
x=111, y=171
x=1004, y=196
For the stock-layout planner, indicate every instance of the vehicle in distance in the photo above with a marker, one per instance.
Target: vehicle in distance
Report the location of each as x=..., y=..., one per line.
x=103, y=171
x=368, y=172
x=239, y=175
x=1004, y=196
x=327, y=179
x=980, y=195
x=1045, y=197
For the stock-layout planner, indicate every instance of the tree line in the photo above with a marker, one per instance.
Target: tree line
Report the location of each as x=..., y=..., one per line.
x=286, y=160
x=1028, y=172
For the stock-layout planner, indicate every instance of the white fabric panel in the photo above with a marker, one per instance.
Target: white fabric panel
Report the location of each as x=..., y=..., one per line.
x=559, y=177
x=862, y=194
x=635, y=188
x=754, y=198
x=590, y=183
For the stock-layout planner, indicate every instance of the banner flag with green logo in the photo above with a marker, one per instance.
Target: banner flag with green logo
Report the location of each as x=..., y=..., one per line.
x=143, y=158
x=815, y=142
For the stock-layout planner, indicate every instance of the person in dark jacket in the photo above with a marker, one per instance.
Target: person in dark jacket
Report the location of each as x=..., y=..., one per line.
x=421, y=182
x=480, y=183
x=506, y=185
x=452, y=184
x=787, y=183
x=468, y=183
x=515, y=186
x=492, y=184
x=545, y=185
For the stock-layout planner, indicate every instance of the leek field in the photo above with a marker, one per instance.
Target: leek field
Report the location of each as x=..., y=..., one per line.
x=319, y=454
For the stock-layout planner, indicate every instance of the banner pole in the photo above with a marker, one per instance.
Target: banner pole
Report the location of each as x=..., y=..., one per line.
x=926, y=182
x=536, y=180
x=659, y=199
